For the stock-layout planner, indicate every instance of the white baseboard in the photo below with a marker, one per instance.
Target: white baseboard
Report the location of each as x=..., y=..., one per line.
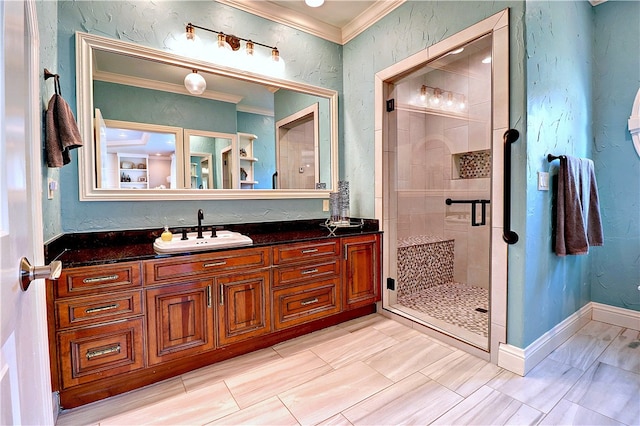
x=521, y=361
x=616, y=316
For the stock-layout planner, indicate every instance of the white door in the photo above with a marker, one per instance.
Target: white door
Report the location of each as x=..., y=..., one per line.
x=25, y=384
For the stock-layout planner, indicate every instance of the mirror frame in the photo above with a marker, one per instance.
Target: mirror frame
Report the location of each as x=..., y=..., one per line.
x=88, y=189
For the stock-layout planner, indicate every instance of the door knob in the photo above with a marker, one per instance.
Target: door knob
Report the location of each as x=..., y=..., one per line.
x=29, y=272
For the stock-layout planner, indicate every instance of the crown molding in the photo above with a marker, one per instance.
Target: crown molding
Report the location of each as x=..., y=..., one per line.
x=367, y=18
x=302, y=22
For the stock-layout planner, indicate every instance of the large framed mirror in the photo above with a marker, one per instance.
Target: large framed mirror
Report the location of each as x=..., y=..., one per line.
x=222, y=144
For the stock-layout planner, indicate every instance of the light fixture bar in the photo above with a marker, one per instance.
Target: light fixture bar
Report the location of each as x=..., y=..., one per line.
x=191, y=26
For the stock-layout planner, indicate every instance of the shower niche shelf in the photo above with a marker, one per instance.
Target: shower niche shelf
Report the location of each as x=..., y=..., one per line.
x=472, y=164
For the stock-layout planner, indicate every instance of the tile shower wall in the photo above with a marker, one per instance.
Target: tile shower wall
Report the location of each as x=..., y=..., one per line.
x=423, y=262
x=430, y=151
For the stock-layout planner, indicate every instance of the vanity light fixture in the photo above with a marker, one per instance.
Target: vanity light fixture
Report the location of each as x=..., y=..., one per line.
x=446, y=100
x=195, y=83
x=228, y=43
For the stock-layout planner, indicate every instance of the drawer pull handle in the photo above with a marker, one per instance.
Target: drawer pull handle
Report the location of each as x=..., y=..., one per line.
x=309, y=301
x=309, y=251
x=102, y=308
x=105, y=351
x=309, y=271
x=210, y=265
x=100, y=279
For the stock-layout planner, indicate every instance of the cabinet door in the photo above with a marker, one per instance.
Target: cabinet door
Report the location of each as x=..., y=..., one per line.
x=180, y=320
x=243, y=306
x=361, y=271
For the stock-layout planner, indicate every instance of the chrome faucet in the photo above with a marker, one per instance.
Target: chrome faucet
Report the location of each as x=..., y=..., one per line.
x=200, y=217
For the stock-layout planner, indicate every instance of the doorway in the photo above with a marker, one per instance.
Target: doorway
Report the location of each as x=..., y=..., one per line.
x=441, y=186
x=297, y=139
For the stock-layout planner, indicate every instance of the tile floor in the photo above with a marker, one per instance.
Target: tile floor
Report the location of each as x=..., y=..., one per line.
x=375, y=371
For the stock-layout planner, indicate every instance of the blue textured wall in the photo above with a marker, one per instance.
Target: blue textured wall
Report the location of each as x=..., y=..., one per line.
x=544, y=289
x=615, y=271
x=154, y=24
x=48, y=30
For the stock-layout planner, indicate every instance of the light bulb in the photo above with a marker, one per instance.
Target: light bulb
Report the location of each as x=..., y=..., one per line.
x=195, y=83
x=463, y=103
x=435, y=100
x=449, y=100
x=487, y=60
x=423, y=93
x=314, y=3
x=277, y=62
x=188, y=43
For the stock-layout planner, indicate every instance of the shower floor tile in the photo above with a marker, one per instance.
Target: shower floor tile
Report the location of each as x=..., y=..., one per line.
x=453, y=303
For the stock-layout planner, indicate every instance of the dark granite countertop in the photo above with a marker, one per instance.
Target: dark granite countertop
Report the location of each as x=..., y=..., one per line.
x=96, y=248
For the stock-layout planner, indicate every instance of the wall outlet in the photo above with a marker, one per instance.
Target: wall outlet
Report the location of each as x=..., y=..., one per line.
x=325, y=205
x=543, y=181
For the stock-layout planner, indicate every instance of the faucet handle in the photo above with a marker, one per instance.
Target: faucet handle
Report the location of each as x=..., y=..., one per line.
x=184, y=234
x=213, y=231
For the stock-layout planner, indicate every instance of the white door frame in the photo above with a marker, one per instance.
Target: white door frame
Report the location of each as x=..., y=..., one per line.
x=498, y=25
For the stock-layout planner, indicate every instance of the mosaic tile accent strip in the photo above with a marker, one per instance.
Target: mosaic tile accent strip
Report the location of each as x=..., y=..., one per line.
x=475, y=164
x=454, y=303
x=423, y=263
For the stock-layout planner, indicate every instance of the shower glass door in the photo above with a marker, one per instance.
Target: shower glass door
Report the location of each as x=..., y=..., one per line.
x=439, y=192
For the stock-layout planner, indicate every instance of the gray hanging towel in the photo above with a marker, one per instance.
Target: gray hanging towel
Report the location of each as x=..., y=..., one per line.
x=61, y=131
x=578, y=222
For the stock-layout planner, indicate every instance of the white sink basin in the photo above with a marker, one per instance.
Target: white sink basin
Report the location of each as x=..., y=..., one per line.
x=224, y=239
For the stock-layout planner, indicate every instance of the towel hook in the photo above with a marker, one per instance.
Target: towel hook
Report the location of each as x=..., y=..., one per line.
x=47, y=75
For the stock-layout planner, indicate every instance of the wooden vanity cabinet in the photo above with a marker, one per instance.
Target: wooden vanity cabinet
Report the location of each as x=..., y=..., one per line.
x=187, y=294
x=121, y=326
x=306, y=282
x=361, y=270
x=96, y=323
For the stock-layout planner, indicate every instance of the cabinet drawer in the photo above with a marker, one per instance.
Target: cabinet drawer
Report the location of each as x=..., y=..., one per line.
x=305, y=251
x=179, y=268
x=296, y=305
x=90, y=280
x=80, y=311
x=300, y=273
x=94, y=353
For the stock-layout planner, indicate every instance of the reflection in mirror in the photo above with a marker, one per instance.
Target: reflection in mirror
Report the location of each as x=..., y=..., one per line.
x=236, y=114
x=137, y=155
x=208, y=159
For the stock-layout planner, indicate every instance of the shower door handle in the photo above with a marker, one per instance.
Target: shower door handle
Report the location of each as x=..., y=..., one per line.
x=509, y=236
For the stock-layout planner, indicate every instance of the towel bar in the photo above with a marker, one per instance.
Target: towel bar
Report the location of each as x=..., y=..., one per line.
x=552, y=157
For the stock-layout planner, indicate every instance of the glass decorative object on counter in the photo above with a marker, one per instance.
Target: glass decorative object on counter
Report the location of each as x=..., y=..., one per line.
x=343, y=189
x=334, y=207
